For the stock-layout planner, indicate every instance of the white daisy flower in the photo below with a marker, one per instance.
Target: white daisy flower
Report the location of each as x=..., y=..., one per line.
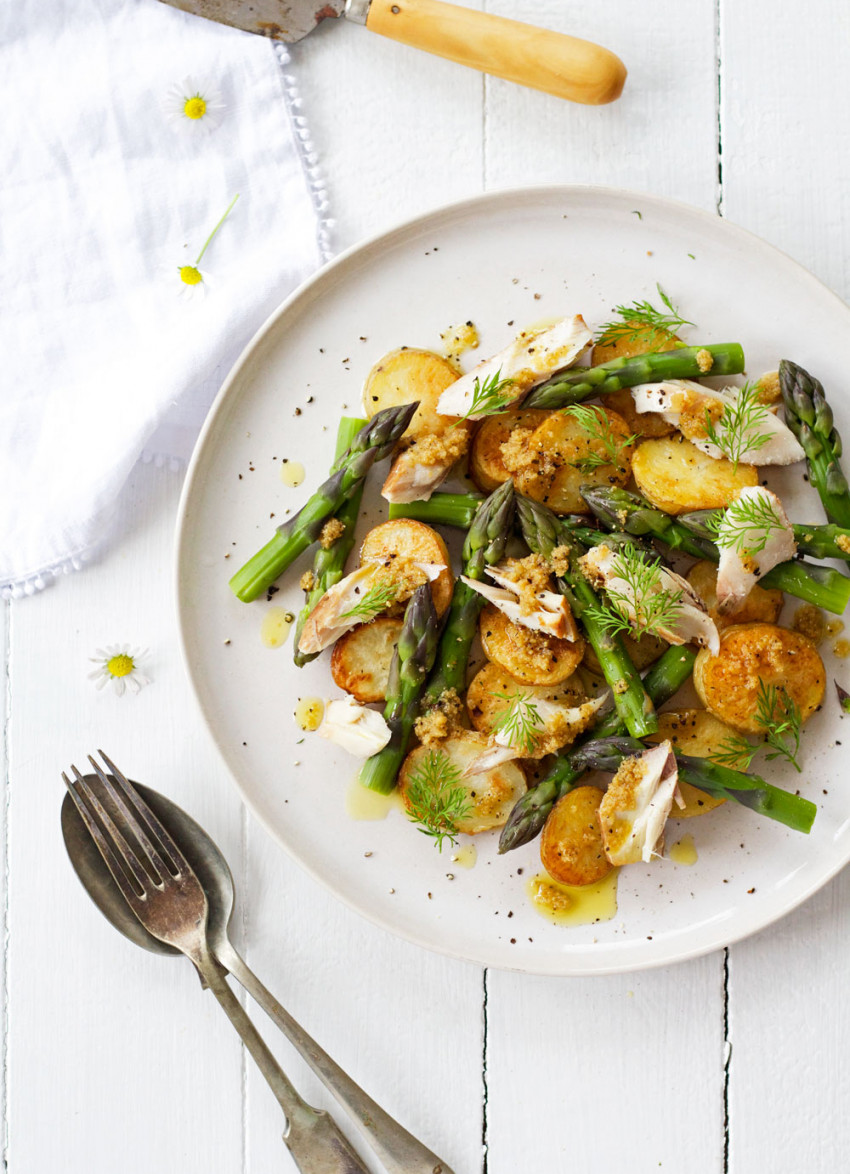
x=192, y=106
x=119, y=663
x=191, y=281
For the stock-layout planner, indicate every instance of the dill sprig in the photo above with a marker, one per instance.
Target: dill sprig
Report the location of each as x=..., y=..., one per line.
x=489, y=398
x=738, y=430
x=520, y=722
x=639, y=319
x=436, y=798
x=745, y=525
x=779, y=716
x=644, y=605
x=596, y=424
x=375, y=600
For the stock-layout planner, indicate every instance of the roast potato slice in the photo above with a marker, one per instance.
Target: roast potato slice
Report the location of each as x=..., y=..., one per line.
x=486, y=706
x=403, y=540
x=531, y=657
x=486, y=465
x=762, y=603
x=728, y=683
x=571, y=848
x=405, y=376
x=676, y=476
x=361, y=659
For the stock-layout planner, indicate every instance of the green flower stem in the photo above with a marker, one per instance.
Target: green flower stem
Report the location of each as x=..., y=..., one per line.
x=442, y=509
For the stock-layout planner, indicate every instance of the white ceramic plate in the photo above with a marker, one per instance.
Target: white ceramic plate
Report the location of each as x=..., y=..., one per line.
x=504, y=260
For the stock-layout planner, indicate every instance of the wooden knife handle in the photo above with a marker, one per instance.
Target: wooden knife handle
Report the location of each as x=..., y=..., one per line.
x=558, y=64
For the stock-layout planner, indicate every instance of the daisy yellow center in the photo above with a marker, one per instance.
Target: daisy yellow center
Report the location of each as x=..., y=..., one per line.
x=120, y=666
x=195, y=108
x=189, y=275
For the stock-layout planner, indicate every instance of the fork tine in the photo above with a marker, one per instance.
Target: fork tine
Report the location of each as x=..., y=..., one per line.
x=131, y=895
x=154, y=856
x=170, y=849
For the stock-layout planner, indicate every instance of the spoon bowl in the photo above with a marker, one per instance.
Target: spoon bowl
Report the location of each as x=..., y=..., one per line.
x=199, y=849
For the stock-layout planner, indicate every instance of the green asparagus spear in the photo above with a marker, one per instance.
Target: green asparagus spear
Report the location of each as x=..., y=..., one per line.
x=749, y=790
x=821, y=586
x=329, y=564
x=809, y=417
x=372, y=443
x=412, y=661
x=820, y=541
x=484, y=546
x=543, y=532
x=690, y=362
x=529, y=813
x=442, y=509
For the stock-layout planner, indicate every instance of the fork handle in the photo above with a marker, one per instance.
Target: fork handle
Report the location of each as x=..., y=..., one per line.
x=312, y=1137
x=399, y=1150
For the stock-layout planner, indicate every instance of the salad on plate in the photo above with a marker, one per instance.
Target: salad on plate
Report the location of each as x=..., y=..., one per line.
x=621, y=543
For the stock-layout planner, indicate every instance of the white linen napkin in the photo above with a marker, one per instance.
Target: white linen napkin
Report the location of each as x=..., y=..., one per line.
x=101, y=202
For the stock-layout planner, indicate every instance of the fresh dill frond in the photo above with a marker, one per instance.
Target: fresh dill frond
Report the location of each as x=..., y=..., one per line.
x=520, y=722
x=640, y=318
x=436, y=798
x=375, y=600
x=779, y=716
x=643, y=605
x=596, y=424
x=739, y=429
x=736, y=752
x=489, y=398
x=745, y=525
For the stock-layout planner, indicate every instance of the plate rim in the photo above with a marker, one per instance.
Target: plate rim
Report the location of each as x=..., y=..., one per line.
x=384, y=237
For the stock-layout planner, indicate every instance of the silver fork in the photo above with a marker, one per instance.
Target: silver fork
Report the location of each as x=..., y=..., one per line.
x=161, y=888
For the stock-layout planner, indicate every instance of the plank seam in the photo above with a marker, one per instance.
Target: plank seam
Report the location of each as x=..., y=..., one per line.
x=727, y=1060
x=243, y=922
x=718, y=64
x=7, y=721
x=485, y=1143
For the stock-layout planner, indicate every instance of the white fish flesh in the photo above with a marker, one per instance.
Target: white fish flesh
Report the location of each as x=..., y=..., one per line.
x=530, y=359
x=749, y=551
x=357, y=729
x=552, y=616
x=636, y=805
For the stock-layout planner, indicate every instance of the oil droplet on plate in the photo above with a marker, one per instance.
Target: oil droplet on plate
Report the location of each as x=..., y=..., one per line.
x=275, y=626
x=574, y=904
x=810, y=621
x=841, y=648
x=309, y=712
x=466, y=856
x=362, y=803
x=457, y=340
x=291, y=473
x=834, y=627
x=684, y=851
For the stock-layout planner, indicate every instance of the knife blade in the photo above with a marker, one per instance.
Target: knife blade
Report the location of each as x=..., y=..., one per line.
x=556, y=63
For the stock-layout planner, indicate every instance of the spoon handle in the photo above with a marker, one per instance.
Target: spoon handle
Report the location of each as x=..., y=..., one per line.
x=312, y=1137
x=399, y=1150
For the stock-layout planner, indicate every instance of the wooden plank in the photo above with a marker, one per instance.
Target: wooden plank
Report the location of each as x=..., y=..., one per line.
x=614, y=1073
x=119, y=1060
x=5, y=612
x=660, y=136
x=642, y=1051
x=785, y=172
x=399, y=130
x=400, y=133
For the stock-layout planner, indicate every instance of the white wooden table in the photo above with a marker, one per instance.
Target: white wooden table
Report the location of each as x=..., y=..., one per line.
x=114, y=1059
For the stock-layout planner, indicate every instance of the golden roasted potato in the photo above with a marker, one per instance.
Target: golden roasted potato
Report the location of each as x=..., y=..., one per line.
x=571, y=848
x=491, y=794
x=728, y=683
x=643, y=651
x=361, y=658
x=698, y=733
x=626, y=347
x=410, y=541
x=547, y=465
x=676, y=476
x=486, y=466
x=485, y=705
x=762, y=603
x=531, y=657
x=404, y=376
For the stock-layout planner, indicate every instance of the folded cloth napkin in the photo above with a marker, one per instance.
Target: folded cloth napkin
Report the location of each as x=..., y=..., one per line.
x=103, y=199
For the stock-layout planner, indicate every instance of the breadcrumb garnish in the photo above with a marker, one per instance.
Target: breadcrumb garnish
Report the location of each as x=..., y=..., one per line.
x=331, y=530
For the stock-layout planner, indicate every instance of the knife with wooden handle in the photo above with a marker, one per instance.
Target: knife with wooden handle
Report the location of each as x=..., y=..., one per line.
x=565, y=66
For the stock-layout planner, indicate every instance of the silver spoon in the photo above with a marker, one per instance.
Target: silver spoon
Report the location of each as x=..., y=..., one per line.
x=399, y=1151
